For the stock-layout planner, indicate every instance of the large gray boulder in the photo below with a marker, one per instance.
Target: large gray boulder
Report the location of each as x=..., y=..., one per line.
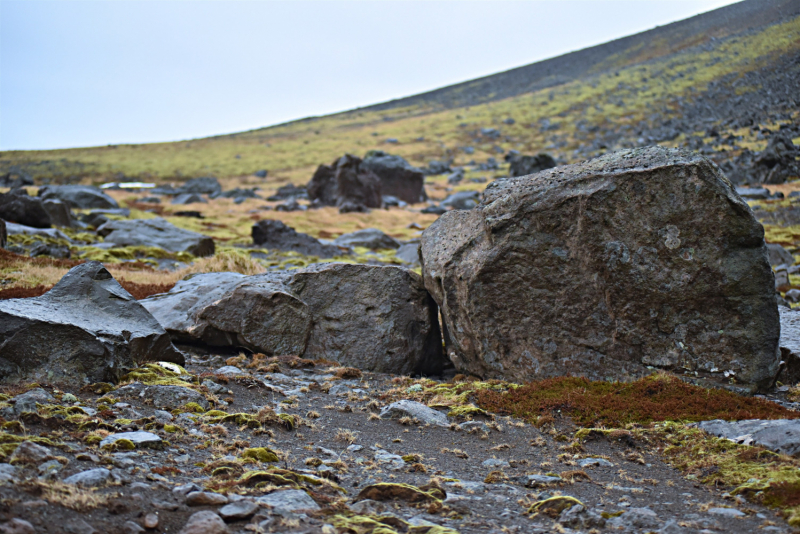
x=18, y=207
x=156, y=232
x=229, y=309
x=377, y=318
x=275, y=235
x=639, y=258
x=398, y=177
x=81, y=197
x=86, y=329
x=778, y=435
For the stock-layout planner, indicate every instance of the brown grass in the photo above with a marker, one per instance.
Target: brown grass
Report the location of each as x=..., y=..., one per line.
x=659, y=397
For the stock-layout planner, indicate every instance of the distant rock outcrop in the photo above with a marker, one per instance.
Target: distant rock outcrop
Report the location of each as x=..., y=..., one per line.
x=604, y=268
x=18, y=207
x=78, y=196
x=156, y=232
x=397, y=176
x=86, y=329
x=275, y=235
x=346, y=185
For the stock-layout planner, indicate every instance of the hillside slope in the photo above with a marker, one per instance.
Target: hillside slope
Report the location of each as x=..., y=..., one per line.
x=719, y=73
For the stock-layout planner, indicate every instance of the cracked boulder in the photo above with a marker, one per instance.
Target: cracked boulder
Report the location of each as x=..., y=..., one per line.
x=376, y=318
x=86, y=329
x=639, y=258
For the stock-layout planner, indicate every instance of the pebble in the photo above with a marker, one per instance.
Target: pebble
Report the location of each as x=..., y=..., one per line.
x=288, y=501
x=592, y=462
x=92, y=477
x=728, y=512
x=230, y=371
x=26, y=402
x=203, y=498
x=494, y=463
x=205, y=522
x=407, y=408
x=30, y=453
x=238, y=510
x=50, y=469
x=143, y=440
x=8, y=472
x=151, y=520
x=130, y=527
x=78, y=526
x=17, y=526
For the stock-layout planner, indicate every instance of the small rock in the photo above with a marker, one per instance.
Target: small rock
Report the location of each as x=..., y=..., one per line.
x=469, y=425
x=171, y=397
x=205, y=522
x=151, y=520
x=591, y=462
x=26, y=403
x=49, y=470
x=17, y=526
x=78, y=526
x=8, y=472
x=140, y=439
x=288, y=501
x=635, y=518
x=534, y=481
x=205, y=498
x=494, y=463
x=238, y=510
x=213, y=387
x=29, y=452
x=165, y=417
x=92, y=477
x=129, y=527
x=727, y=512
x=230, y=370
x=407, y=408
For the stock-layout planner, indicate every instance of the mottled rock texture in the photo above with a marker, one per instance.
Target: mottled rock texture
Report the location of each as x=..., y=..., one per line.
x=639, y=258
x=86, y=329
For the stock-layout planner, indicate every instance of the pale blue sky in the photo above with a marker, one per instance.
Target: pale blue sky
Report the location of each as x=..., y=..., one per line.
x=106, y=72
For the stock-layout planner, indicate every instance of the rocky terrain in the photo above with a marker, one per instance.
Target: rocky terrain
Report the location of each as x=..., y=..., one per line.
x=559, y=299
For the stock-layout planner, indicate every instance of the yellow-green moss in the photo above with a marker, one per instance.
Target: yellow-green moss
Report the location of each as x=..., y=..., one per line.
x=262, y=454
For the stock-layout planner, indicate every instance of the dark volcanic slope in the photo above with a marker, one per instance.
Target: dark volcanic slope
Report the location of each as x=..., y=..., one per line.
x=656, y=43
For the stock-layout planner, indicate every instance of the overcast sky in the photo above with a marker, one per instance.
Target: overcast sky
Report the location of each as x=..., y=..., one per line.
x=106, y=72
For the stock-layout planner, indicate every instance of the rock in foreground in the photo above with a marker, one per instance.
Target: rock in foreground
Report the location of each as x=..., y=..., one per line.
x=377, y=318
x=86, y=329
x=639, y=258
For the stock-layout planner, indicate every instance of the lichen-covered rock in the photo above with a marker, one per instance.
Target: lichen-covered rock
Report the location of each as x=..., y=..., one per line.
x=86, y=329
x=638, y=258
x=156, y=232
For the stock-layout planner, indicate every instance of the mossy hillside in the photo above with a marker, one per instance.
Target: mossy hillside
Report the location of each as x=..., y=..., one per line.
x=620, y=93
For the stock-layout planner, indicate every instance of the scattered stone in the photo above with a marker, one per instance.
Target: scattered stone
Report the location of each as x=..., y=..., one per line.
x=50, y=470
x=778, y=435
x=593, y=462
x=641, y=518
x=525, y=165
x=398, y=178
x=8, y=472
x=130, y=527
x=79, y=197
x=151, y=520
x=414, y=409
x=238, y=510
x=171, y=397
x=470, y=425
x=346, y=185
x=91, y=478
x=18, y=207
x=204, y=522
x=752, y=193
x=78, y=526
x=463, y=200
x=205, y=185
x=17, y=526
x=141, y=439
x=230, y=371
x=289, y=192
x=275, y=235
x=578, y=516
x=494, y=463
x=205, y=498
x=59, y=212
x=779, y=255
x=288, y=501
x=535, y=481
x=726, y=512
x=26, y=402
x=409, y=253
x=87, y=328
x=188, y=198
x=603, y=228
x=156, y=232
x=370, y=238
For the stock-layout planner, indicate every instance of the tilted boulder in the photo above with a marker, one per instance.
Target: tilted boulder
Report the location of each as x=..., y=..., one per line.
x=275, y=235
x=638, y=258
x=18, y=207
x=257, y=312
x=377, y=318
x=78, y=196
x=398, y=177
x=156, y=232
x=86, y=329
x=346, y=185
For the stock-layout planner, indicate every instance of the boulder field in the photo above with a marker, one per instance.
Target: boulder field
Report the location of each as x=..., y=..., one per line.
x=638, y=259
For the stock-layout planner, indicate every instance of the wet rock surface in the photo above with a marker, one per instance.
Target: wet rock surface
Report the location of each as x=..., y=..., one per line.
x=273, y=234
x=589, y=270
x=78, y=196
x=156, y=232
